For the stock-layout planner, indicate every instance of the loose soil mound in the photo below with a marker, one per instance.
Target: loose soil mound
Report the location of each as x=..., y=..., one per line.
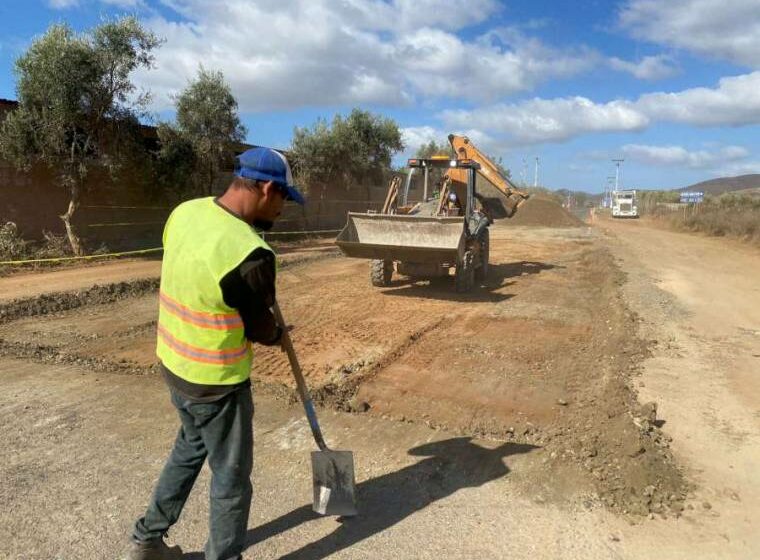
x=542, y=212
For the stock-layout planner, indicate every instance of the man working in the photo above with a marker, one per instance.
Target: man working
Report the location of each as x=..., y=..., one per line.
x=217, y=285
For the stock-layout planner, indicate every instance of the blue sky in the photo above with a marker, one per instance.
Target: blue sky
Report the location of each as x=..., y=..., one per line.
x=672, y=86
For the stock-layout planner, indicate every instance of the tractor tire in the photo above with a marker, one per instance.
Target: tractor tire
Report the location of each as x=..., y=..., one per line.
x=481, y=272
x=464, y=275
x=380, y=272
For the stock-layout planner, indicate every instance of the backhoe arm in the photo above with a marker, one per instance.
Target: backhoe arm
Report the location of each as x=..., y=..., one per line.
x=465, y=149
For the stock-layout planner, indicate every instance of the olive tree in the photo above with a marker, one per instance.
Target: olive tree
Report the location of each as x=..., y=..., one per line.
x=356, y=149
x=207, y=119
x=77, y=104
x=435, y=149
x=432, y=149
x=174, y=164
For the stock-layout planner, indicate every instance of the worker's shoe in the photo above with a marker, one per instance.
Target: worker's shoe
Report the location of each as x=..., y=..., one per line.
x=154, y=549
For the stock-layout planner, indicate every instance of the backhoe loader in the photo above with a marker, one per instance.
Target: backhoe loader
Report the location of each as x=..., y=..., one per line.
x=439, y=233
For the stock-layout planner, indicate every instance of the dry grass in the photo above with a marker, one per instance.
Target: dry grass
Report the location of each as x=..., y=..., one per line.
x=732, y=215
x=741, y=223
x=13, y=247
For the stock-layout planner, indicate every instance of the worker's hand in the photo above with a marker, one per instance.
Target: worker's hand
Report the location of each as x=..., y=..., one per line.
x=276, y=338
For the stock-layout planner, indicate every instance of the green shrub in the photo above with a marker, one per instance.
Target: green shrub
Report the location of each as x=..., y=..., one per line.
x=12, y=246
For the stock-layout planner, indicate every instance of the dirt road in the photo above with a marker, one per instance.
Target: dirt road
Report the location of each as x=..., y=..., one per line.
x=538, y=362
x=699, y=298
x=87, y=448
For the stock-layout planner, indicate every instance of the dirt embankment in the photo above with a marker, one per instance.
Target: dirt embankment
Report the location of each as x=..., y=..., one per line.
x=542, y=212
x=540, y=353
x=56, y=302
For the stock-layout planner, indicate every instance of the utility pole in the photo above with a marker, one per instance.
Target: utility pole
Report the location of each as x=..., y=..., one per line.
x=617, y=172
x=535, y=176
x=524, y=172
x=607, y=192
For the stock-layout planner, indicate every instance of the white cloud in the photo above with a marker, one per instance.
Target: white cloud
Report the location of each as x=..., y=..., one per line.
x=648, y=68
x=440, y=64
x=416, y=136
x=551, y=120
x=124, y=3
x=681, y=157
x=413, y=14
x=294, y=53
x=62, y=4
x=65, y=4
x=738, y=168
x=734, y=102
x=728, y=29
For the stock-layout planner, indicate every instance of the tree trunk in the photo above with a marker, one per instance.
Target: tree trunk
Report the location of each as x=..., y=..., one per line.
x=74, y=241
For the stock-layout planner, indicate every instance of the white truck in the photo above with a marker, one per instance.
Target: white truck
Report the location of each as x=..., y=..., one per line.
x=624, y=204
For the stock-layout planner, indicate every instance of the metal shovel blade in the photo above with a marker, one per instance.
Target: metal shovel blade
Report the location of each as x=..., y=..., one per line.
x=334, y=484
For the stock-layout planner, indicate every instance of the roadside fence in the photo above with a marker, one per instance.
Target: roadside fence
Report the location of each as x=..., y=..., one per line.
x=124, y=226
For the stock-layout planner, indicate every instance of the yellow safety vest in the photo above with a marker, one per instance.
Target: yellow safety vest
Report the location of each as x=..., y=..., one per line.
x=200, y=338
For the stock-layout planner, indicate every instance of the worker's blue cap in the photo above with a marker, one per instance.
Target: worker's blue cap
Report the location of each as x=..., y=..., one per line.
x=266, y=164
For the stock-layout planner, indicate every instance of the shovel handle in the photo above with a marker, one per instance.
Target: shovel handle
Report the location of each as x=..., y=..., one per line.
x=303, y=391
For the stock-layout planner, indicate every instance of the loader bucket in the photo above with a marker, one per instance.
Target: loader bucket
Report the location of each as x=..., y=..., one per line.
x=405, y=238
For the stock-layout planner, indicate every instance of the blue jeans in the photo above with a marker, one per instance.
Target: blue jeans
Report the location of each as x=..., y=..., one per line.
x=223, y=432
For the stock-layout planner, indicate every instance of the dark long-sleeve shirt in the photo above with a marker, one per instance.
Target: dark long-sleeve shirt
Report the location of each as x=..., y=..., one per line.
x=249, y=288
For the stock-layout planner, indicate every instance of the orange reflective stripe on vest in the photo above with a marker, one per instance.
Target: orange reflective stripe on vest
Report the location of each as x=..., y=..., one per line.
x=203, y=355
x=217, y=321
x=201, y=339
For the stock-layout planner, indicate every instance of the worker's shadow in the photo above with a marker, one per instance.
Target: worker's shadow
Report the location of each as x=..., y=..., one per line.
x=383, y=501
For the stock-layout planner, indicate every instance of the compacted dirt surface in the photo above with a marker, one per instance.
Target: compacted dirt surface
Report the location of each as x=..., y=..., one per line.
x=699, y=299
x=526, y=419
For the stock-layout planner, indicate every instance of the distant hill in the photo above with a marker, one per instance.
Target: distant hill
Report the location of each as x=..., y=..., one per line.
x=725, y=184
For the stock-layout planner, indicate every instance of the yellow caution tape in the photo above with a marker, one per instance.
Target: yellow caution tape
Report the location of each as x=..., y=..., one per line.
x=86, y=257
x=146, y=251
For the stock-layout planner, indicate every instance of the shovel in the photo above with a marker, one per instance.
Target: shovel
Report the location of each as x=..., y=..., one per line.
x=332, y=471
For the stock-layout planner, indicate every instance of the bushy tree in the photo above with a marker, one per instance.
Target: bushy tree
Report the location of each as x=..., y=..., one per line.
x=434, y=149
x=356, y=149
x=207, y=121
x=429, y=150
x=174, y=164
x=77, y=105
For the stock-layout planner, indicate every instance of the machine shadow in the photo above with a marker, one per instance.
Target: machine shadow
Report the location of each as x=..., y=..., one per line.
x=497, y=273
x=488, y=290
x=449, y=466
